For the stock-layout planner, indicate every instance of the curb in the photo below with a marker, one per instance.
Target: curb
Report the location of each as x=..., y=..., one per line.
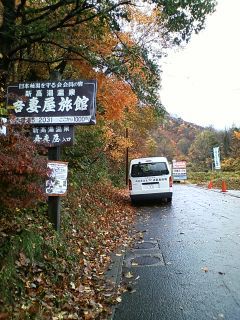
x=114, y=271
x=114, y=275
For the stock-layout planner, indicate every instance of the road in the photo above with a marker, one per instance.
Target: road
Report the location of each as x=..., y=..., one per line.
x=187, y=265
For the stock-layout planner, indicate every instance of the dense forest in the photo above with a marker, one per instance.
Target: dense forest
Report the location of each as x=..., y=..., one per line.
x=46, y=274
x=179, y=139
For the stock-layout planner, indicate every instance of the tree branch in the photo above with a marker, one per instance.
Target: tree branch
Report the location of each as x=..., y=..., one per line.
x=74, y=13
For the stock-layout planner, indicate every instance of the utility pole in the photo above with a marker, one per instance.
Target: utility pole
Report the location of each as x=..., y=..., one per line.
x=126, y=136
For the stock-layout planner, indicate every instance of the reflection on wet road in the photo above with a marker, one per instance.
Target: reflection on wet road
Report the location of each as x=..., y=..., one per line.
x=187, y=265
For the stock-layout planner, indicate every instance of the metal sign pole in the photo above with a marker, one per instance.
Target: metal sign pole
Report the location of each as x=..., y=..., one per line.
x=126, y=160
x=54, y=203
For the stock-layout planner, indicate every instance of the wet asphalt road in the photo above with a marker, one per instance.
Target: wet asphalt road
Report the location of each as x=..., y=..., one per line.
x=187, y=265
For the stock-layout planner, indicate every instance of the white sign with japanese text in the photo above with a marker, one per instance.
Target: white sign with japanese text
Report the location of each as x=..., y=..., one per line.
x=216, y=155
x=179, y=170
x=56, y=185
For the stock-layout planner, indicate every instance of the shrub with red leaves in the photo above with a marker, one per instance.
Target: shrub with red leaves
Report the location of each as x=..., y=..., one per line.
x=23, y=170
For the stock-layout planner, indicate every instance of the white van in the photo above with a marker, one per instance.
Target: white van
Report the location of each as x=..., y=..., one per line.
x=150, y=178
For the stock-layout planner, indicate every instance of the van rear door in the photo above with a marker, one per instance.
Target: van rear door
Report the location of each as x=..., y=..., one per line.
x=149, y=176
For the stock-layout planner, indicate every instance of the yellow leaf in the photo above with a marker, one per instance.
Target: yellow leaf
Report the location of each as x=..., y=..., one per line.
x=72, y=285
x=129, y=275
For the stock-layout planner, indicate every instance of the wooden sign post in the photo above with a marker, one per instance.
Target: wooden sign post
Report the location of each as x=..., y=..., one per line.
x=54, y=107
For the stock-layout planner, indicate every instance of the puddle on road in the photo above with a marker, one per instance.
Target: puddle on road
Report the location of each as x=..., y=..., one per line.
x=146, y=260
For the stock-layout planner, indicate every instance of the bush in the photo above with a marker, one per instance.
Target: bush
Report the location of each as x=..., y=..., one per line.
x=231, y=164
x=232, y=179
x=22, y=170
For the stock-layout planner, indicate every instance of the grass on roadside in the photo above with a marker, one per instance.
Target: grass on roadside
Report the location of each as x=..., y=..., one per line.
x=45, y=275
x=232, y=179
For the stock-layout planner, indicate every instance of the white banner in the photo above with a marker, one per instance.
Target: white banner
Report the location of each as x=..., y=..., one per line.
x=3, y=129
x=216, y=155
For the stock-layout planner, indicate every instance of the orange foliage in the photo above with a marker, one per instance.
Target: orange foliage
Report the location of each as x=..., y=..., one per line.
x=117, y=104
x=237, y=134
x=88, y=37
x=143, y=17
x=115, y=96
x=116, y=141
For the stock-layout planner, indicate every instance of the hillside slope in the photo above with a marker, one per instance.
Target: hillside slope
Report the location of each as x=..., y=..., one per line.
x=175, y=136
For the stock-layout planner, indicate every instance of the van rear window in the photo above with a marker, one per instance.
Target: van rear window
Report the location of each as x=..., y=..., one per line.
x=149, y=169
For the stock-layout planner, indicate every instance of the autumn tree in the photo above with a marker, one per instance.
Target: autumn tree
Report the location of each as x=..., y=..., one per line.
x=117, y=42
x=225, y=137
x=232, y=162
x=235, y=143
x=200, y=152
x=184, y=145
x=50, y=34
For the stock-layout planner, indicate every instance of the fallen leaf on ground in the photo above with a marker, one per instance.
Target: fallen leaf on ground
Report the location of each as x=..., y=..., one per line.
x=129, y=275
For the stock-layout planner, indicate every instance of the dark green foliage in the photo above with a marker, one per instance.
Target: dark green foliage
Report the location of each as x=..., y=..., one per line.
x=200, y=152
x=27, y=248
x=87, y=159
x=185, y=17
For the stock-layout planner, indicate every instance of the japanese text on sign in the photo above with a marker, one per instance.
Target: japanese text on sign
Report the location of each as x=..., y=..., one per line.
x=216, y=155
x=53, y=135
x=63, y=102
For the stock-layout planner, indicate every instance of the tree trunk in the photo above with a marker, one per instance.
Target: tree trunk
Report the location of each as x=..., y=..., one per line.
x=7, y=27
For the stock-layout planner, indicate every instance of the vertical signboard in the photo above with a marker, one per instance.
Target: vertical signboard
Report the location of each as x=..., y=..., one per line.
x=3, y=129
x=216, y=157
x=56, y=185
x=179, y=170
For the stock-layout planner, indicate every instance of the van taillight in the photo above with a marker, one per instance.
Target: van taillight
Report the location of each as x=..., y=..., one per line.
x=129, y=184
x=170, y=181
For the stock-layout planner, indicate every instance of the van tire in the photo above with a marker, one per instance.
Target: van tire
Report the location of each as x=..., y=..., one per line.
x=169, y=200
x=133, y=202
